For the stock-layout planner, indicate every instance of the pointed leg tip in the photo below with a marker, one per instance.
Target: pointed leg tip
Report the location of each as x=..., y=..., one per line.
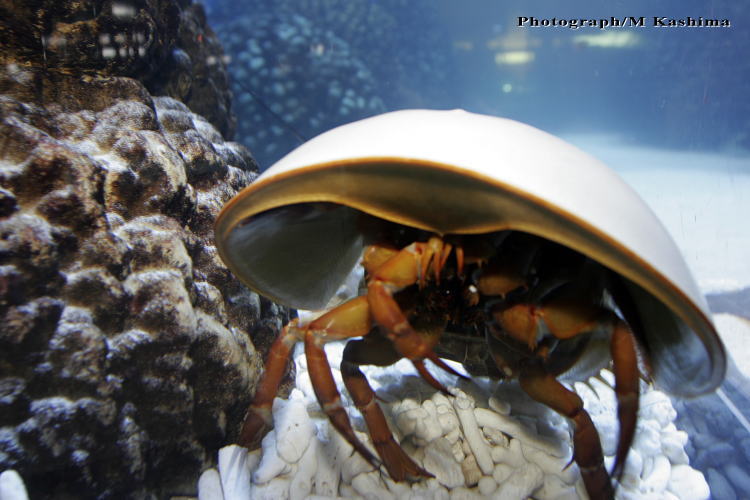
x=398, y=464
x=427, y=376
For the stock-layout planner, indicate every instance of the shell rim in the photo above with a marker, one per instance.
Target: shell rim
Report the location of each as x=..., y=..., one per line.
x=223, y=220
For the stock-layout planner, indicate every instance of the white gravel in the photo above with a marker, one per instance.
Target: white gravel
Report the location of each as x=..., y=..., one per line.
x=473, y=451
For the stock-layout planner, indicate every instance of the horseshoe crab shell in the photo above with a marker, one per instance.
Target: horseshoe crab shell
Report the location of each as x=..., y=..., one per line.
x=462, y=173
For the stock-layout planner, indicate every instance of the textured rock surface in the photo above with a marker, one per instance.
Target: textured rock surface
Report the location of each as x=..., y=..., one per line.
x=195, y=72
x=164, y=43
x=125, y=358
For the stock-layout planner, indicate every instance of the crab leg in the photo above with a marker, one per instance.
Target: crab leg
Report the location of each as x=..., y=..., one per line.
x=350, y=319
x=587, y=449
x=410, y=265
x=377, y=350
x=567, y=318
x=259, y=420
x=625, y=367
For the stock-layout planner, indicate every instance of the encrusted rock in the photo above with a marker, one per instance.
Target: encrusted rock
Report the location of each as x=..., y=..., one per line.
x=125, y=352
x=166, y=44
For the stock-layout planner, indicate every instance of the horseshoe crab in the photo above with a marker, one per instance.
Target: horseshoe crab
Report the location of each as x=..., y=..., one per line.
x=473, y=230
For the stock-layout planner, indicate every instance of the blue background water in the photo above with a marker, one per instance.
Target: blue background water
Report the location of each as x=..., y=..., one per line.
x=669, y=108
x=676, y=87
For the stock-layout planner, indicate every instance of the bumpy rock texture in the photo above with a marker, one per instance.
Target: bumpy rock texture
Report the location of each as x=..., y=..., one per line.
x=164, y=43
x=126, y=357
x=124, y=350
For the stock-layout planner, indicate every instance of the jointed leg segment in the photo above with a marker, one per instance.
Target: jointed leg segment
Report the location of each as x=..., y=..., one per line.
x=259, y=420
x=377, y=350
x=587, y=449
x=391, y=270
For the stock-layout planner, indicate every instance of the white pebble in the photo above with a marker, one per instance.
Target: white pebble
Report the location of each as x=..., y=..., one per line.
x=465, y=411
x=441, y=401
x=488, y=418
x=502, y=407
x=271, y=490
x=399, y=490
x=549, y=464
x=439, y=461
x=302, y=482
x=647, y=440
x=354, y=466
x=271, y=465
x=502, y=472
x=631, y=474
x=464, y=494
x=471, y=471
x=591, y=400
x=608, y=377
x=369, y=486
x=253, y=460
x=512, y=455
x=294, y=430
x=487, y=486
x=495, y=437
x=428, y=490
x=605, y=394
x=12, y=486
x=329, y=455
x=656, y=482
x=457, y=450
x=674, y=452
x=234, y=472
x=522, y=483
x=532, y=462
x=428, y=427
x=346, y=491
x=454, y=435
x=407, y=421
x=608, y=427
x=209, y=486
x=554, y=488
x=673, y=446
x=655, y=405
x=687, y=483
x=446, y=416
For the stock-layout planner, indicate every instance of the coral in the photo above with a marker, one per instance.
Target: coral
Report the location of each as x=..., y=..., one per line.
x=124, y=347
